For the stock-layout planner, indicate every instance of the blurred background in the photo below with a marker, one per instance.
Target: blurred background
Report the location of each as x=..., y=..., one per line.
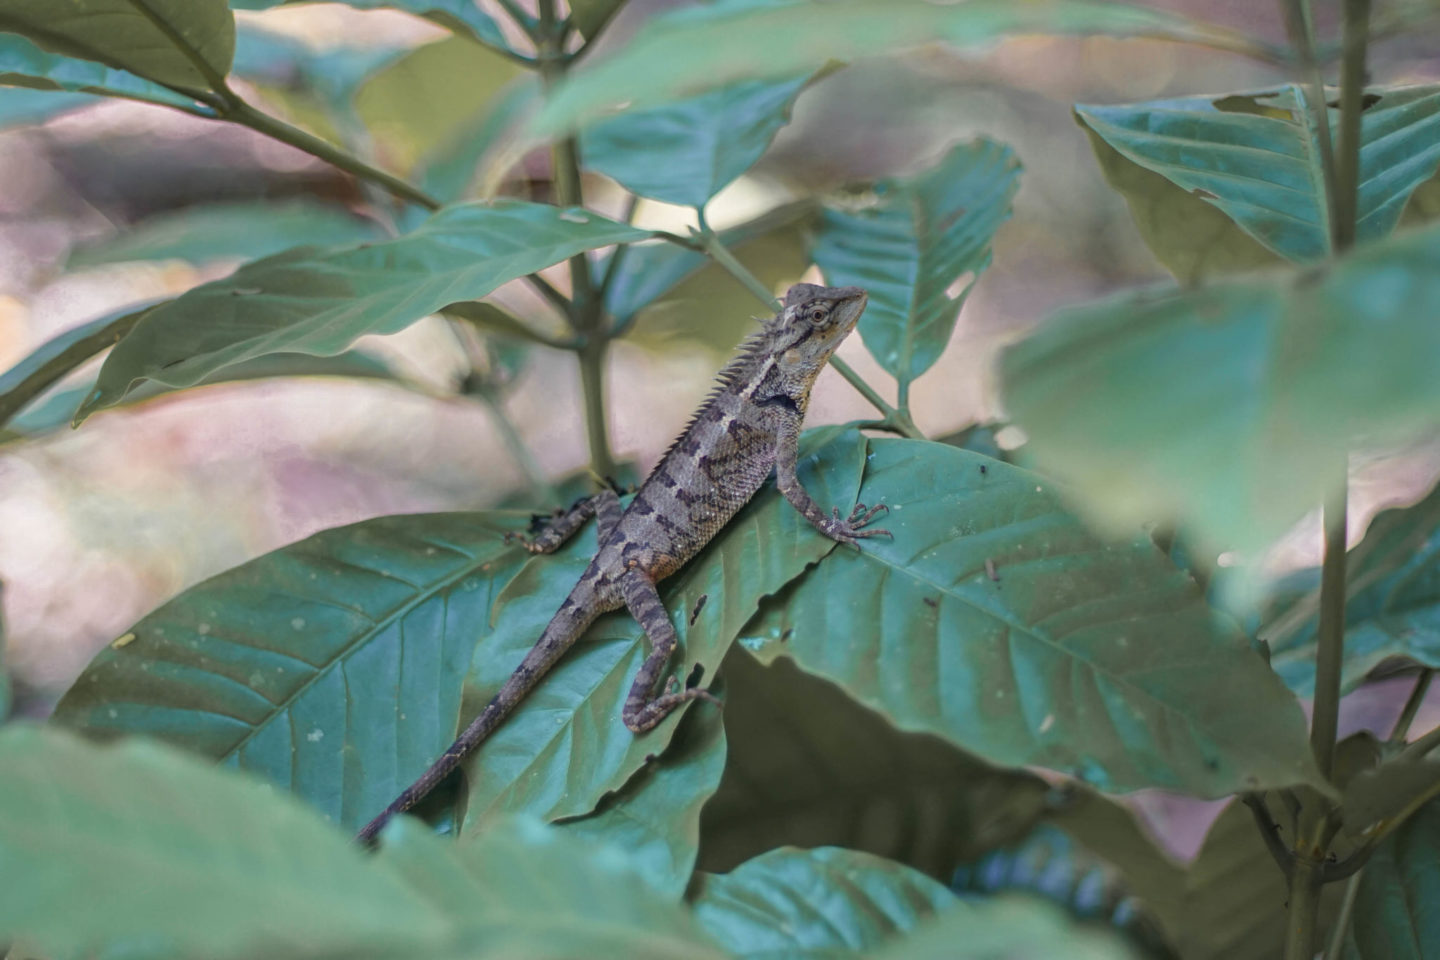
x=102, y=524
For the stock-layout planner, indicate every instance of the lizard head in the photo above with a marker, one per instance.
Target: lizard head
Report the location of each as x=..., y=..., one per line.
x=811, y=325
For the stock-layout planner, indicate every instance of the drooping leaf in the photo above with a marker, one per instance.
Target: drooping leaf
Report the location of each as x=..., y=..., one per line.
x=23, y=64
x=688, y=51
x=565, y=747
x=320, y=301
x=166, y=41
x=58, y=356
x=218, y=231
x=1002, y=624
x=687, y=151
x=914, y=249
x=522, y=889
x=464, y=17
x=655, y=817
x=1379, y=799
x=1392, y=606
x=1229, y=409
x=816, y=903
x=1016, y=928
x=137, y=842
x=332, y=666
x=1395, y=917
x=807, y=766
x=1255, y=157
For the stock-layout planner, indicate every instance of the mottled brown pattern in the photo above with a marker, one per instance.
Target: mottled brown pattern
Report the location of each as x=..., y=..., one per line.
x=746, y=429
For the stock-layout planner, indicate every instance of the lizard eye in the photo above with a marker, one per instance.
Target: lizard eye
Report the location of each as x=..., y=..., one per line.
x=817, y=315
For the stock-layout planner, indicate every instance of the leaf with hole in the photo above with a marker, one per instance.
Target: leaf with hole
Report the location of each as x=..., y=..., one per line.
x=320, y=301
x=918, y=249
x=188, y=860
x=1229, y=409
x=1254, y=157
x=1002, y=624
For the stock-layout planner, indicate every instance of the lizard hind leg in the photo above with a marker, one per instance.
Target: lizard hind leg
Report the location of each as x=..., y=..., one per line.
x=645, y=706
x=604, y=506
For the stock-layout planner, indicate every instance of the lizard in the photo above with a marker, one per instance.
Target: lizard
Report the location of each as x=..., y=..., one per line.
x=747, y=429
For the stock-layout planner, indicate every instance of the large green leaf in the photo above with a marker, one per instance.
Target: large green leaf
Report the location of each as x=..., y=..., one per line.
x=1230, y=408
x=222, y=230
x=522, y=889
x=136, y=842
x=1392, y=607
x=23, y=64
x=565, y=746
x=320, y=301
x=177, y=43
x=919, y=250
x=1255, y=157
x=815, y=903
x=1014, y=928
x=1395, y=916
x=655, y=817
x=332, y=666
x=687, y=151
x=685, y=52
x=59, y=355
x=807, y=766
x=462, y=16
x=1002, y=624
x=448, y=169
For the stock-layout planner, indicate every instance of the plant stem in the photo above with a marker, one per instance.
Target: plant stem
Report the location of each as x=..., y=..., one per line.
x=1412, y=706
x=238, y=111
x=1352, y=95
x=1342, y=919
x=592, y=385
x=1297, y=26
x=1422, y=746
x=1303, y=911
x=1331, y=639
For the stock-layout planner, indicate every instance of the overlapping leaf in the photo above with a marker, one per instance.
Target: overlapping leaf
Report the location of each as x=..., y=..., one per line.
x=525, y=889
x=1392, y=607
x=816, y=903
x=1001, y=623
x=462, y=16
x=320, y=301
x=687, y=151
x=177, y=43
x=1254, y=156
x=565, y=746
x=1395, y=917
x=332, y=666
x=23, y=64
x=139, y=843
x=1230, y=408
x=918, y=250
x=689, y=51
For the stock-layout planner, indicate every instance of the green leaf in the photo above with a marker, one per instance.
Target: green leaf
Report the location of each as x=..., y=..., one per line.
x=815, y=903
x=1392, y=606
x=807, y=766
x=321, y=301
x=136, y=842
x=685, y=52
x=1254, y=157
x=448, y=169
x=522, y=889
x=55, y=410
x=23, y=64
x=918, y=250
x=176, y=43
x=1014, y=928
x=591, y=16
x=58, y=356
x=1230, y=408
x=1003, y=625
x=1395, y=916
x=223, y=230
x=565, y=746
x=461, y=16
x=1235, y=894
x=6, y=692
x=332, y=666
x=304, y=80
x=1379, y=799
x=687, y=151
x=655, y=817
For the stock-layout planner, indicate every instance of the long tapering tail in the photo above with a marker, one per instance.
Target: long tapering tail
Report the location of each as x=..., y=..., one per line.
x=575, y=615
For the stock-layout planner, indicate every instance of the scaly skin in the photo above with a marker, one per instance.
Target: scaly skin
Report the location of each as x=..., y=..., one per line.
x=747, y=428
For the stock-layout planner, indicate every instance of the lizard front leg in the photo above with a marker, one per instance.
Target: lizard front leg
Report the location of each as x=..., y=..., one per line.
x=844, y=530
x=604, y=506
x=643, y=707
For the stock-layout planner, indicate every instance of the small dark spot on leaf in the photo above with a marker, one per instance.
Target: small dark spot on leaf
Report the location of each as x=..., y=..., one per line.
x=697, y=673
x=651, y=757
x=990, y=570
x=984, y=469
x=1212, y=764
x=931, y=602
x=1204, y=194
x=786, y=635
x=949, y=221
x=699, y=605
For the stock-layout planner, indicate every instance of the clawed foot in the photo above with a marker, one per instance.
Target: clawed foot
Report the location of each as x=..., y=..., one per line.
x=528, y=544
x=850, y=530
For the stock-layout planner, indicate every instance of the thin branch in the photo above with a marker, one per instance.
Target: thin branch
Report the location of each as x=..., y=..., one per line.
x=1330, y=650
x=1412, y=705
x=1419, y=748
x=1342, y=919
x=1269, y=831
x=1352, y=95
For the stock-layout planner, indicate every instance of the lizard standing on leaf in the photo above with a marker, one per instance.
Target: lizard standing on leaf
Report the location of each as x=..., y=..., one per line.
x=749, y=426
